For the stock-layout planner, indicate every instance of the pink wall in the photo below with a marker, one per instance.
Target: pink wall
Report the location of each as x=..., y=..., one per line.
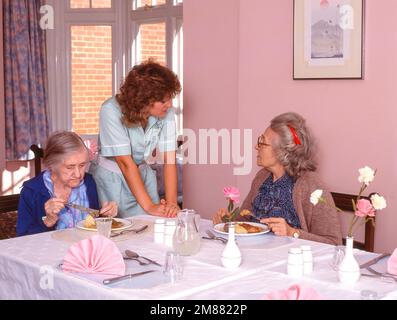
x=210, y=91
x=353, y=120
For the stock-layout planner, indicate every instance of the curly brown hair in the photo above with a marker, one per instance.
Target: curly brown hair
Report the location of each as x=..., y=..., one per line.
x=145, y=84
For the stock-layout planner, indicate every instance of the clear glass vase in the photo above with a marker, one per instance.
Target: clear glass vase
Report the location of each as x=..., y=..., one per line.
x=349, y=269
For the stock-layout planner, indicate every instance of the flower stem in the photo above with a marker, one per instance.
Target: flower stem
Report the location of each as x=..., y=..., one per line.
x=321, y=199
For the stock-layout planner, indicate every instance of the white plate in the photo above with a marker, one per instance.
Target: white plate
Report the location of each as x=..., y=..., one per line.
x=127, y=224
x=219, y=229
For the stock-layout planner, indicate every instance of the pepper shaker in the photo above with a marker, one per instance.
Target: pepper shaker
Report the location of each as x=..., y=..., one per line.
x=159, y=228
x=307, y=259
x=169, y=231
x=295, y=262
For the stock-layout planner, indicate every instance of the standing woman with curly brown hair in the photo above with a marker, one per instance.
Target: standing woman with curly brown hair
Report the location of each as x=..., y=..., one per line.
x=132, y=124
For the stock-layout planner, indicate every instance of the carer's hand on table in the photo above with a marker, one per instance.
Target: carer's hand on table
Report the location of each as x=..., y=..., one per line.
x=171, y=209
x=164, y=210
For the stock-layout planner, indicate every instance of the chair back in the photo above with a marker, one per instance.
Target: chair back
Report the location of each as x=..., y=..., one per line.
x=9, y=203
x=344, y=202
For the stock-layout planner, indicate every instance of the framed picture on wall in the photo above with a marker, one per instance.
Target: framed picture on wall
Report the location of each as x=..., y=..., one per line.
x=328, y=39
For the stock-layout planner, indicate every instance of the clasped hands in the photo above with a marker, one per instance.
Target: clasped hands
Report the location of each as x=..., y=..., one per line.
x=54, y=206
x=164, y=209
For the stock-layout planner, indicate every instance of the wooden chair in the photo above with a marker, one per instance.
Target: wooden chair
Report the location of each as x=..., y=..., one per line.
x=38, y=155
x=344, y=202
x=9, y=203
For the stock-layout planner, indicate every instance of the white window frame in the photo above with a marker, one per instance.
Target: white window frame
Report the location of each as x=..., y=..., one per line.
x=125, y=22
x=172, y=14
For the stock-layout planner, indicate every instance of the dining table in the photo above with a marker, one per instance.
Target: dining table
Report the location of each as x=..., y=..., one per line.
x=31, y=268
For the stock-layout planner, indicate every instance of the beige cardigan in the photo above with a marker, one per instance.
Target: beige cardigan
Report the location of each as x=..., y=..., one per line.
x=319, y=223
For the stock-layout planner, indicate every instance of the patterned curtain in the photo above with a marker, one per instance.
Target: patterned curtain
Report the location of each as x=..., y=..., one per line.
x=25, y=77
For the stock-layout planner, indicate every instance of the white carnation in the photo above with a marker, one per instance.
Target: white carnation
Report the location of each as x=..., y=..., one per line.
x=378, y=202
x=367, y=175
x=316, y=196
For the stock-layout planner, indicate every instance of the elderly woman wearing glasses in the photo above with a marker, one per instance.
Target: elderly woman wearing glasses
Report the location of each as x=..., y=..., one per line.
x=45, y=200
x=280, y=192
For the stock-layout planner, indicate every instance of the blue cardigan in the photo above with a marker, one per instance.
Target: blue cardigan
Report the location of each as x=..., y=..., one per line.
x=34, y=195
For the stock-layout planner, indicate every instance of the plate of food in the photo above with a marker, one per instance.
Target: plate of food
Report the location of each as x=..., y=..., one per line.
x=118, y=224
x=243, y=229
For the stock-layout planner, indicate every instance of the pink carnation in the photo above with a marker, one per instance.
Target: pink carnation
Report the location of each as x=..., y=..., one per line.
x=365, y=208
x=232, y=193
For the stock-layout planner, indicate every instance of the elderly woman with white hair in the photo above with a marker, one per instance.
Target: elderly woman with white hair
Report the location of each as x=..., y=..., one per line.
x=280, y=192
x=43, y=204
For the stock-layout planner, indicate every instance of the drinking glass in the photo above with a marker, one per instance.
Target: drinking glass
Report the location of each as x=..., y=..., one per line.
x=339, y=254
x=369, y=295
x=104, y=226
x=173, y=266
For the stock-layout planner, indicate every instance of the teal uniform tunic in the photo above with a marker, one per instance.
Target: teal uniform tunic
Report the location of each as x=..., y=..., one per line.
x=115, y=139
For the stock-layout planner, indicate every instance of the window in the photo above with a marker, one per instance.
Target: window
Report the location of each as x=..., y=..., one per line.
x=147, y=3
x=90, y=4
x=157, y=33
x=91, y=70
x=94, y=45
x=151, y=42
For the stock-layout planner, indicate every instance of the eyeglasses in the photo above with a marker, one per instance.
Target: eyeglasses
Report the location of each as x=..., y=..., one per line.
x=260, y=143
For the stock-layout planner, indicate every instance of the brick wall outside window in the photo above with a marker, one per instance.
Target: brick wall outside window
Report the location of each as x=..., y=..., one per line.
x=91, y=75
x=78, y=4
x=92, y=65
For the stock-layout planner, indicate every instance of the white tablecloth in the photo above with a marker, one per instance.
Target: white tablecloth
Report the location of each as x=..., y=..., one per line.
x=29, y=270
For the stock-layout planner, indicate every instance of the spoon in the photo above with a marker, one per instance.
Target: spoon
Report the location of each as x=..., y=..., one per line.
x=132, y=254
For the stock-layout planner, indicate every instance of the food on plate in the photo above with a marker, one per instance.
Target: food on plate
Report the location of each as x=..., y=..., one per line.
x=245, y=212
x=89, y=223
x=243, y=228
x=117, y=224
x=238, y=228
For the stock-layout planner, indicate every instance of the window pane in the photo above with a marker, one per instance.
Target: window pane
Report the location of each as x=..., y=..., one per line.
x=86, y=4
x=101, y=4
x=143, y=3
x=178, y=68
x=152, y=42
x=178, y=1
x=91, y=75
x=75, y=4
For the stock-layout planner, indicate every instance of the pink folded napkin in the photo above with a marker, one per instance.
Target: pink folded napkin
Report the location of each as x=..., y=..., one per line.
x=392, y=263
x=295, y=292
x=97, y=254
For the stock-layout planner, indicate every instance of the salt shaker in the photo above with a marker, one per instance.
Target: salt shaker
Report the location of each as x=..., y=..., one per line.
x=295, y=262
x=169, y=231
x=231, y=255
x=307, y=259
x=159, y=228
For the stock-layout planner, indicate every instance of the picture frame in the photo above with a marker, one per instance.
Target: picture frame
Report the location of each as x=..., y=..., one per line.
x=328, y=39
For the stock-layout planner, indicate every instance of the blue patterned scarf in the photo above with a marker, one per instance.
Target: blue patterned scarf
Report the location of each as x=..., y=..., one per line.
x=274, y=199
x=69, y=217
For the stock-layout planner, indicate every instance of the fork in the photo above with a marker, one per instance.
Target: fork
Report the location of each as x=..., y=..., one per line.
x=130, y=230
x=212, y=236
x=384, y=275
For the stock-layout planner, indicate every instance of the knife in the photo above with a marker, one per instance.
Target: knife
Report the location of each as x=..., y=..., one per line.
x=127, y=276
x=92, y=212
x=373, y=261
